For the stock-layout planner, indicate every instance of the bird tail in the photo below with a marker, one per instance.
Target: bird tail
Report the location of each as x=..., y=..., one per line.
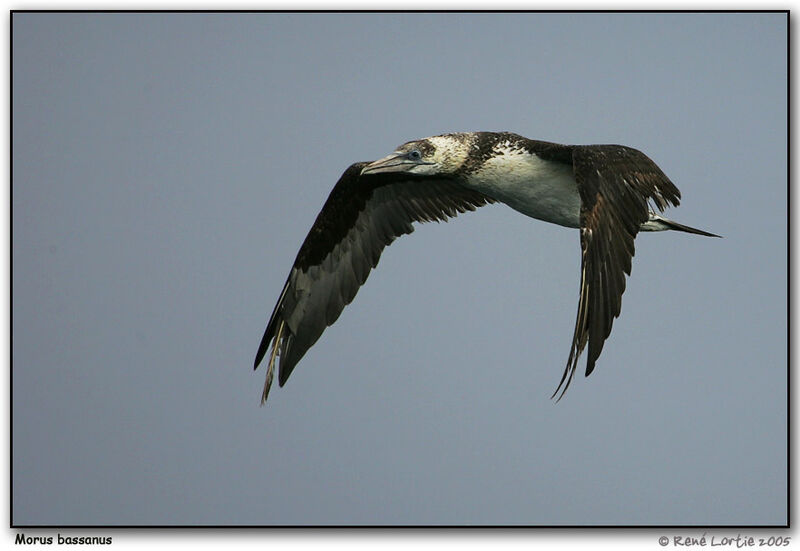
x=659, y=223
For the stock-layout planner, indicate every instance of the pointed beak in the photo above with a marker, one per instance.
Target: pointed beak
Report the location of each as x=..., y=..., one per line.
x=396, y=162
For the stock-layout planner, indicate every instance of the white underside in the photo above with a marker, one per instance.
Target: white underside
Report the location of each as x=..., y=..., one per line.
x=540, y=189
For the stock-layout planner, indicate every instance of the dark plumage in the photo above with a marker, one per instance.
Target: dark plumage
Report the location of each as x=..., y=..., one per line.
x=363, y=214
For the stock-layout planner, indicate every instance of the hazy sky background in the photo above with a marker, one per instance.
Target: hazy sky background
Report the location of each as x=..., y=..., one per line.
x=168, y=166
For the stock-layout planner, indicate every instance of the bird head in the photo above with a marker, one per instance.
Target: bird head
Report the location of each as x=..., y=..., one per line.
x=437, y=155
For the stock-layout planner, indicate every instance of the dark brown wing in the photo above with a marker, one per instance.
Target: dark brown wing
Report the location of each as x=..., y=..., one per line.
x=616, y=184
x=362, y=215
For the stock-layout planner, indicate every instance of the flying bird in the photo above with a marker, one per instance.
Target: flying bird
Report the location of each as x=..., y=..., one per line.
x=608, y=192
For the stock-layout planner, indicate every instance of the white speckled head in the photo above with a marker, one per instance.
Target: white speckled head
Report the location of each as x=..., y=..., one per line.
x=437, y=155
x=450, y=150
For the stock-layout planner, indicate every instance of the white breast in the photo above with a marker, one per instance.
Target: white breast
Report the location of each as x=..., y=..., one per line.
x=540, y=189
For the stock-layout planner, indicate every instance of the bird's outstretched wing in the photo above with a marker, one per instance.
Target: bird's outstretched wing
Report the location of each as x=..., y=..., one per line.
x=616, y=185
x=362, y=215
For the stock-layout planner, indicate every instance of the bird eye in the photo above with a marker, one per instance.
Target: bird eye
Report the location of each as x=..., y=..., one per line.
x=414, y=155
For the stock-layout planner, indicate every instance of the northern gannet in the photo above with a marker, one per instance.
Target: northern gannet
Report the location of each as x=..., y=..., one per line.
x=609, y=192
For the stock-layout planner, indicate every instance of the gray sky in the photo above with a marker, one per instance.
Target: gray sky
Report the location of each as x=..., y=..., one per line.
x=168, y=167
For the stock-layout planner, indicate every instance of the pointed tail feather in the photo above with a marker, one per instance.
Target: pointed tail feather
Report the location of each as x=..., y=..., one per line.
x=659, y=223
x=680, y=227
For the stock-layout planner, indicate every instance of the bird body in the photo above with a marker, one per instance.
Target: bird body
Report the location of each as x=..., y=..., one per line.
x=538, y=188
x=609, y=192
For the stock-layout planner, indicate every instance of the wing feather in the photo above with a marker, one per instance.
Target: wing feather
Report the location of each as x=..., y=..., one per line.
x=362, y=215
x=616, y=184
